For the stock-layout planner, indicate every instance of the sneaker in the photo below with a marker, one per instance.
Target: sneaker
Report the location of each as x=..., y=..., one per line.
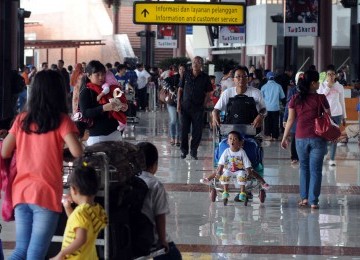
x=183, y=156
x=205, y=181
x=242, y=196
x=225, y=195
x=332, y=163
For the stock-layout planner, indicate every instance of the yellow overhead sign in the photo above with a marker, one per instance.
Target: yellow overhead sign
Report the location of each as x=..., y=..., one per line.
x=192, y=13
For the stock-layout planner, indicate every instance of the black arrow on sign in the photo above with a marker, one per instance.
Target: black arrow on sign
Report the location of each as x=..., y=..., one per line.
x=145, y=12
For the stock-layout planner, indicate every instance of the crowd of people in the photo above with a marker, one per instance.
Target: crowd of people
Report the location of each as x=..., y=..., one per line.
x=95, y=94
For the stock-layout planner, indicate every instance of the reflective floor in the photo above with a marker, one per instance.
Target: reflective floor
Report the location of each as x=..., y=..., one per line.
x=275, y=229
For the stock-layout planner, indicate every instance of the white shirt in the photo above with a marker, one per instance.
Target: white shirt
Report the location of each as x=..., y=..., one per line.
x=335, y=97
x=156, y=201
x=234, y=161
x=227, y=83
x=142, y=78
x=231, y=92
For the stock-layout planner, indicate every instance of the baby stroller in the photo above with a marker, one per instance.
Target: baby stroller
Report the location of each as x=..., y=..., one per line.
x=254, y=151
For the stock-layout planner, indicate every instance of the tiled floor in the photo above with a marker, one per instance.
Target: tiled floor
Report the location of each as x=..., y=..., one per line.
x=276, y=229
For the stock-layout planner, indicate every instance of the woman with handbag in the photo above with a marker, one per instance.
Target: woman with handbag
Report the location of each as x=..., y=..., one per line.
x=174, y=119
x=311, y=148
x=334, y=93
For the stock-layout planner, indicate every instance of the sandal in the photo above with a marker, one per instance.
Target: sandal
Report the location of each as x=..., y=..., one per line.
x=315, y=206
x=177, y=143
x=303, y=203
x=294, y=161
x=172, y=142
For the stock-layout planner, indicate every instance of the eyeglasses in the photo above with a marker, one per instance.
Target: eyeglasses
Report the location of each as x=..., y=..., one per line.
x=241, y=76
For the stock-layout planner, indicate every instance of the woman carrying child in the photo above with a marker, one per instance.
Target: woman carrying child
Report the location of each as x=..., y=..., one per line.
x=37, y=137
x=104, y=126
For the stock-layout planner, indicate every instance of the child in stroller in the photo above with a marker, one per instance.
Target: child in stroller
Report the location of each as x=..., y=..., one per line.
x=234, y=161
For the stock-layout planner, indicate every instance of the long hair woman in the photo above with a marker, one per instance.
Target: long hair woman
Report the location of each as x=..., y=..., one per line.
x=37, y=137
x=304, y=107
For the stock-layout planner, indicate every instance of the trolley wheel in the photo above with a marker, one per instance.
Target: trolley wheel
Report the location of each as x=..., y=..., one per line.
x=246, y=201
x=225, y=201
x=213, y=195
x=262, y=196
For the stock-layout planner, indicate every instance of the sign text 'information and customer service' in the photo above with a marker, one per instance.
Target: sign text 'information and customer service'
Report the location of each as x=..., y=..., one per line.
x=193, y=13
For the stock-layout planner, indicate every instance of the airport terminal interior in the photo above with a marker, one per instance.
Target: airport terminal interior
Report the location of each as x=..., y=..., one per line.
x=275, y=229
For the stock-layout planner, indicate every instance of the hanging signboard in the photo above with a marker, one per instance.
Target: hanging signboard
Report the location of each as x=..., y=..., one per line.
x=301, y=18
x=192, y=13
x=232, y=34
x=166, y=36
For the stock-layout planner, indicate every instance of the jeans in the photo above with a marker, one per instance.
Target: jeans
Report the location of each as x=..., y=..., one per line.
x=35, y=226
x=174, y=124
x=337, y=120
x=22, y=100
x=173, y=254
x=311, y=152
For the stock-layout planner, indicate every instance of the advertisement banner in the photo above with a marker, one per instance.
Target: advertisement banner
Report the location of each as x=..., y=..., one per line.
x=232, y=34
x=166, y=36
x=301, y=18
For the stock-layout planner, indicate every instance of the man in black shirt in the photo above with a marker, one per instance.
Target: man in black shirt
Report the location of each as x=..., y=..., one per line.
x=65, y=74
x=194, y=91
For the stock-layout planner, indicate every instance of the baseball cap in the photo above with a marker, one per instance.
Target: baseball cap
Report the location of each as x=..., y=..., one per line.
x=270, y=75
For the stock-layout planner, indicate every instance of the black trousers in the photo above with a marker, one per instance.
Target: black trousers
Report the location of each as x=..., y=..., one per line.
x=272, y=121
x=294, y=155
x=142, y=97
x=194, y=120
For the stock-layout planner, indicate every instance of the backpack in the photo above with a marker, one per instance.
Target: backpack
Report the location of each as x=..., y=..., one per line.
x=131, y=232
x=240, y=109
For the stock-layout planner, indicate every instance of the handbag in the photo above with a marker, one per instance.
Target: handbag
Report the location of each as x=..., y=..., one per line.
x=78, y=116
x=166, y=95
x=324, y=125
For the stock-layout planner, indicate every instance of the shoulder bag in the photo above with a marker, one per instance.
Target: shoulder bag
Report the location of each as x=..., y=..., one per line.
x=324, y=126
x=166, y=95
x=78, y=116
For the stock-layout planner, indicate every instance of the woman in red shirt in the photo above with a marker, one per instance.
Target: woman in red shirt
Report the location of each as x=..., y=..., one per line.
x=311, y=148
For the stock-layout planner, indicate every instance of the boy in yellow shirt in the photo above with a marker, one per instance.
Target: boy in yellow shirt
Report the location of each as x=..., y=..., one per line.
x=86, y=220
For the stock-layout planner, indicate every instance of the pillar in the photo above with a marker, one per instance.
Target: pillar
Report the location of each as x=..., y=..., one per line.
x=324, y=42
x=354, y=46
x=268, y=57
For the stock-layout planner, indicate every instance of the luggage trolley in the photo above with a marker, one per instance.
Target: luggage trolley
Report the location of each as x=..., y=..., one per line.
x=254, y=151
x=104, y=172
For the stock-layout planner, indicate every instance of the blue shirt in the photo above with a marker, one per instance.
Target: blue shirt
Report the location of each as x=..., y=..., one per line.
x=272, y=93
